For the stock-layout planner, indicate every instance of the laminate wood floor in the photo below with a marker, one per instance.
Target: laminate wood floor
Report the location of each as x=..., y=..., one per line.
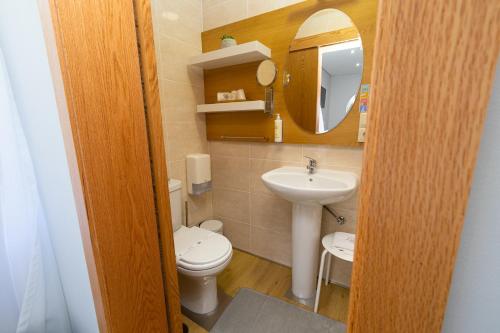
x=267, y=277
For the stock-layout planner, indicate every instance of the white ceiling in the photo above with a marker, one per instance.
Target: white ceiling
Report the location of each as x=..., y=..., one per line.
x=341, y=59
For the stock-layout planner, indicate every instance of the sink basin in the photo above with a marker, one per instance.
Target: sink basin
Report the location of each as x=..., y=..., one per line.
x=308, y=193
x=324, y=187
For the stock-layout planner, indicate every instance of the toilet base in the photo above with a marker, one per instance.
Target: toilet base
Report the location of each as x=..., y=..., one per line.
x=198, y=294
x=208, y=320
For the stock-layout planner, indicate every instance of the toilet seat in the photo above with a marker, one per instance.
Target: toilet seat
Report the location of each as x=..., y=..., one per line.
x=198, y=249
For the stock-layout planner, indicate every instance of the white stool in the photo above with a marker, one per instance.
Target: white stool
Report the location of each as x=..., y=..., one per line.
x=339, y=244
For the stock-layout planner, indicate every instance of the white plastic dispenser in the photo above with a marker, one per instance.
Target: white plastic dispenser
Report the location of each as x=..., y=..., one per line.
x=199, y=179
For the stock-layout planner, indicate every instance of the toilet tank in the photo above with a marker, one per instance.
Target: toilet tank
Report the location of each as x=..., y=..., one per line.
x=175, y=189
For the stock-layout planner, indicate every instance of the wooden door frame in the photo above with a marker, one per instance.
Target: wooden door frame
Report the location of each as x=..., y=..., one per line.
x=432, y=77
x=145, y=37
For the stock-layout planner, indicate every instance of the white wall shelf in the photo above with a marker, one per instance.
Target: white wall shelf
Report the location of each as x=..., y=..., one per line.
x=234, y=55
x=232, y=107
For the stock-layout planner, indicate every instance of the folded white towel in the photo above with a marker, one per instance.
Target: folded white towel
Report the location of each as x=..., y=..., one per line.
x=344, y=240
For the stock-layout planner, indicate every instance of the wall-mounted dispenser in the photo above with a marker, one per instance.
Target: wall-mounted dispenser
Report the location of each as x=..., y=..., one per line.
x=199, y=179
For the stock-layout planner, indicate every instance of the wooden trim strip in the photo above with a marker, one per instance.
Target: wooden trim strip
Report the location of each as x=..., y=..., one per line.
x=158, y=160
x=327, y=38
x=431, y=81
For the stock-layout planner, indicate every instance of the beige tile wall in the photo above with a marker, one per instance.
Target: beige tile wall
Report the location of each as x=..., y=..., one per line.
x=177, y=27
x=220, y=12
x=256, y=220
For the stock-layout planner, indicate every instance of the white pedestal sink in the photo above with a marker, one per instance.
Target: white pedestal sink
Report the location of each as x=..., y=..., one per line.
x=308, y=193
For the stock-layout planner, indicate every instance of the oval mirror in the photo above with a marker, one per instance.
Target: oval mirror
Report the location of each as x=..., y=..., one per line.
x=266, y=73
x=324, y=70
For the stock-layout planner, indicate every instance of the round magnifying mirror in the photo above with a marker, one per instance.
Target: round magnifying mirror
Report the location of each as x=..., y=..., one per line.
x=324, y=70
x=266, y=73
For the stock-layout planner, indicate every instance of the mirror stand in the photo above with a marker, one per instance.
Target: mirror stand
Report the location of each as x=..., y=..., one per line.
x=266, y=75
x=269, y=101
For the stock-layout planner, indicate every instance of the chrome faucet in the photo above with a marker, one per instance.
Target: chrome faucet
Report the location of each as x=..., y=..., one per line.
x=312, y=165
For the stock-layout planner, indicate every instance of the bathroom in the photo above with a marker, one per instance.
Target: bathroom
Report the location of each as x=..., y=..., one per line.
x=217, y=175
x=256, y=221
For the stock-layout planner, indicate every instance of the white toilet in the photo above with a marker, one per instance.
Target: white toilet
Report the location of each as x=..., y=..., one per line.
x=200, y=254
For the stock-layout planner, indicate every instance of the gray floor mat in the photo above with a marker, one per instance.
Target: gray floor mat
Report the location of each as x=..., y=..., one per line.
x=251, y=312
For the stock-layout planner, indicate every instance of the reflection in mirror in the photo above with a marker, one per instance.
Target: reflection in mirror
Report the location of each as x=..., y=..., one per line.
x=325, y=67
x=341, y=72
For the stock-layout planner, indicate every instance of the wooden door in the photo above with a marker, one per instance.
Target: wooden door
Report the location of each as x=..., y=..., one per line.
x=98, y=55
x=431, y=81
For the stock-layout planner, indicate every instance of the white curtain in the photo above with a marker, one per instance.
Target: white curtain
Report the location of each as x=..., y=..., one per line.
x=31, y=295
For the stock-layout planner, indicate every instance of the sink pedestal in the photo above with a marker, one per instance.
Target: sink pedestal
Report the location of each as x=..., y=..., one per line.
x=306, y=230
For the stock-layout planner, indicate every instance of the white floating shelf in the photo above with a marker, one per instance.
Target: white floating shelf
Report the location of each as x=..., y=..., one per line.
x=232, y=106
x=234, y=55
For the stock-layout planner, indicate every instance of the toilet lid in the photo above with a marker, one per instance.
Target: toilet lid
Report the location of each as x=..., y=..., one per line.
x=200, y=249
